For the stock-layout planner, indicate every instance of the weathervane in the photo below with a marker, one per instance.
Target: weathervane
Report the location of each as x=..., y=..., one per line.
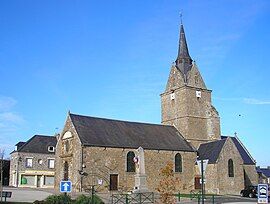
x=181, y=17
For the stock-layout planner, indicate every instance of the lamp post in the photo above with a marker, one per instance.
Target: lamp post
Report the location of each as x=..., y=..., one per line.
x=202, y=181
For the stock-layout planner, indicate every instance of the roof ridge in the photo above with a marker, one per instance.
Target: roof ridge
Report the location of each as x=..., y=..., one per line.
x=27, y=142
x=245, y=149
x=117, y=120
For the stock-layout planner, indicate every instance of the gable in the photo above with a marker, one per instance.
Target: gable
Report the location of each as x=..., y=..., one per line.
x=101, y=132
x=194, y=78
x=247, y=158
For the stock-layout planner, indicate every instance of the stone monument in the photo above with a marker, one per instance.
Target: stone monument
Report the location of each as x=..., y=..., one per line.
x=140, y=176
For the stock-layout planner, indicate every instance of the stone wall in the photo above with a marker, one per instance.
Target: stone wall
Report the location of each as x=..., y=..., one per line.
x=195, y=118
x=69, y=150
x=230, y=185
x=101, y=162
x=251, y=176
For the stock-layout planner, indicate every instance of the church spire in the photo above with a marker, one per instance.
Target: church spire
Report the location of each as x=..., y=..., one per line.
x=183, y=61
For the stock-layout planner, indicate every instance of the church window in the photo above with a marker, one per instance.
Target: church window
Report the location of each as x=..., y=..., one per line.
x=66, y=146
x=130, y=162
x=178, y=163
x=66, y=168
x=230, y=168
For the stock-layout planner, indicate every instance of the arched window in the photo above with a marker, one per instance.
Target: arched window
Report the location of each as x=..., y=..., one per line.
x=66, y=171
x=230, y=168
x=178, y=163
x=130, y=162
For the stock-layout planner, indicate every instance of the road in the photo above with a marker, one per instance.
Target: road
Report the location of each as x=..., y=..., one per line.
x=27, y=194
x=30, y=195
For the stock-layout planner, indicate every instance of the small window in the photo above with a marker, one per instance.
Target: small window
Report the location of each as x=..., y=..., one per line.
x=178, y=163
x=130, y=162
x=51, y=148
x=29, y=163
x=40, y=161
x=230, y=168
x=66, y=146
x=51, y=163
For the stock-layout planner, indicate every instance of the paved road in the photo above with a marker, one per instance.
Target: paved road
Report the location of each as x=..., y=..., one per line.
x=26, y=194
x=223, y=199
x=30, y=195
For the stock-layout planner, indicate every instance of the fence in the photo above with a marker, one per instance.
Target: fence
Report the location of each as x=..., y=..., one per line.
x=133, y=198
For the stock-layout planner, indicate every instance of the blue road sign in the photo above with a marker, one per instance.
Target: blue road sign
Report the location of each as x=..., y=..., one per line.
x=262, y=193
x=65, y=186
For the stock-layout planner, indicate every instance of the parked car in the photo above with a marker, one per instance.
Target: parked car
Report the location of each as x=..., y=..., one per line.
x=250, y=191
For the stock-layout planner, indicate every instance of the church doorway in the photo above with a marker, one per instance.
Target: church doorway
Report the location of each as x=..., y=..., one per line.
x=113, y=182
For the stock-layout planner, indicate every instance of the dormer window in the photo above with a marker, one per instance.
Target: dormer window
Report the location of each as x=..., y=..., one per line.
x=51, y=148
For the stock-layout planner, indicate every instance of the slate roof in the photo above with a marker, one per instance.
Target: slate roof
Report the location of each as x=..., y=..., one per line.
x=19, y=144
x=101, y=132
x=247, y=158
x=264, y=171
x=38, y=144
x=211, y=150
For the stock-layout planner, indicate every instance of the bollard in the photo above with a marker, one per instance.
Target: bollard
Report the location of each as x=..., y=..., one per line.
x=198, y=199
x=179, y=197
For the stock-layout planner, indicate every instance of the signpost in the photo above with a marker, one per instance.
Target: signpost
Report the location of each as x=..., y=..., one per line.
x=65, y=186
x=262, y=193
x=202, y=167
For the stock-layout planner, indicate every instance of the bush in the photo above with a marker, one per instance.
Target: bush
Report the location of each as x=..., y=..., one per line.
x=83, y=199
x=58, y=199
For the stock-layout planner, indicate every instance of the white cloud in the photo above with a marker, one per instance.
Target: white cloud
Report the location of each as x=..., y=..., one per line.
x=6, y=103
x=11, y=117
x=10, y=121
x=255, y=101
x=251, y=101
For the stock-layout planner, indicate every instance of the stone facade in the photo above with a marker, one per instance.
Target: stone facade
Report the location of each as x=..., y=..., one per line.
x=99, y=163
x=87, y=165
x=69, y=150
x=37, y=176
x=193, y=116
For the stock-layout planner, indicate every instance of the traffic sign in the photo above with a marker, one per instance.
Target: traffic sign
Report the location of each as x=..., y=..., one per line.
x=262, y=193
x=199, y=163
x=65, y=186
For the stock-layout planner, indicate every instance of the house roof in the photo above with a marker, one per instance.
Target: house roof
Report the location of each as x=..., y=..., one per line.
x=38, y=144
x=19, y=144
x=247, y=158
x=265, y=171
x=101, y=132
x=211, y=150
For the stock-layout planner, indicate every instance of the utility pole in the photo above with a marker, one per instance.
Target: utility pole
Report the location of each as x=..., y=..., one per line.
x=202, y=181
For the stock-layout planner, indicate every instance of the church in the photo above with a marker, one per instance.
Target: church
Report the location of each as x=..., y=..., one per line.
x=94, y=151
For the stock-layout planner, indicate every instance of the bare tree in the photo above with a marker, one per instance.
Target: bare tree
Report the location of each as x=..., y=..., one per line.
x=2, y=154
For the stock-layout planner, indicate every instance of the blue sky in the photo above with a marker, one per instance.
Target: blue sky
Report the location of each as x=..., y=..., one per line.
x=112, y=59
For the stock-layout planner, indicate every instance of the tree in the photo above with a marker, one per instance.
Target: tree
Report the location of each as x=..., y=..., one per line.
x=168, y=184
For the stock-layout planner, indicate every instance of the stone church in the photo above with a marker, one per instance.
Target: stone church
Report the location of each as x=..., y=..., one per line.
x=99, y=151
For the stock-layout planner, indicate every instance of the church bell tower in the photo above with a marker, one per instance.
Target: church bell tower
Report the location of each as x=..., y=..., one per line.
x=186, y=102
